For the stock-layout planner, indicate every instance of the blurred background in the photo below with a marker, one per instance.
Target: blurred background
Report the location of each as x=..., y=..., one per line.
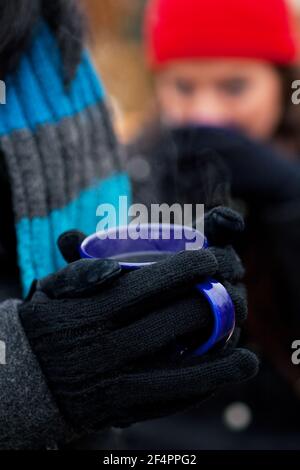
x=116, y=45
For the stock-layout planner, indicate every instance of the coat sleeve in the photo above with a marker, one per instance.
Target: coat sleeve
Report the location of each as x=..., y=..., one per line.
x=29, y=418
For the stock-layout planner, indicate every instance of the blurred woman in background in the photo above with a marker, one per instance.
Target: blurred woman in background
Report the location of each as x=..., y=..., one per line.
x=223, y=73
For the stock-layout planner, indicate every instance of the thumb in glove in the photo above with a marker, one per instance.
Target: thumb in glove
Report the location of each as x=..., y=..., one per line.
x=69, y=243
x=223, y=226
x=79, y=279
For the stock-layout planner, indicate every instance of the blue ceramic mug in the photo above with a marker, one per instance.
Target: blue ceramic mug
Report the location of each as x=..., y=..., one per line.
x=157, y=242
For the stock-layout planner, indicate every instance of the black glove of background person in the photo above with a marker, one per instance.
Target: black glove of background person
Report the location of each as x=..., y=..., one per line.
x=106, y=340
x=257, y=172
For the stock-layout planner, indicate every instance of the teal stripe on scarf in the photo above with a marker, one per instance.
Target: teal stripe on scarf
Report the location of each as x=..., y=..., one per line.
x=37, y=250
x=85, y=90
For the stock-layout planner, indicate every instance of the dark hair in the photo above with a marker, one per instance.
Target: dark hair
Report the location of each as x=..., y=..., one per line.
x=17, y=21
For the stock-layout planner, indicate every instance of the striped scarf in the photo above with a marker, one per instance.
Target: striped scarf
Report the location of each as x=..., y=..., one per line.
x=61, y=154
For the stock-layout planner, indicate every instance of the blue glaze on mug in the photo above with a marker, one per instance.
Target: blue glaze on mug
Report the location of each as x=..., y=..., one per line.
x=122, y=245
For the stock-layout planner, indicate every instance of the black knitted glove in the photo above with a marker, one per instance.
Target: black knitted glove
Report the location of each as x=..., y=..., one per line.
x=107, y=341
x=223, y=226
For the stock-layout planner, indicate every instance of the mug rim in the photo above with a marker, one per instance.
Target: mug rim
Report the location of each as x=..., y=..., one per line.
x=84, y=252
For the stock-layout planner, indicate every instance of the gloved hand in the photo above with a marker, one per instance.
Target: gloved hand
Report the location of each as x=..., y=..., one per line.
x=105, y=340
x=258, y=173
x=223, y=226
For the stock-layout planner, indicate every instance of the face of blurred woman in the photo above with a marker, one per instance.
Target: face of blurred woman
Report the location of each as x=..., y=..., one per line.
x=246, y=94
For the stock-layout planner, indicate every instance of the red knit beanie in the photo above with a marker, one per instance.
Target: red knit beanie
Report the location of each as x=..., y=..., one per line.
x=186, y=29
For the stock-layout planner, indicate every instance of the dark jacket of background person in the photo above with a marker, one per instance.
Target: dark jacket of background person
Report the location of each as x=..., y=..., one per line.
x=168, y=167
